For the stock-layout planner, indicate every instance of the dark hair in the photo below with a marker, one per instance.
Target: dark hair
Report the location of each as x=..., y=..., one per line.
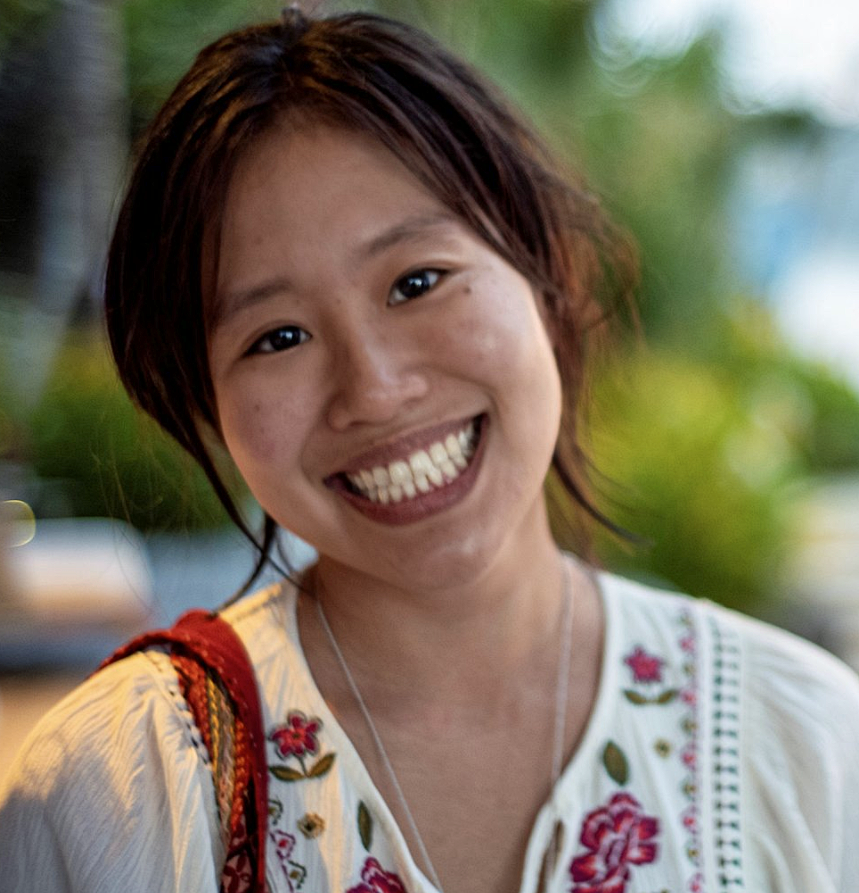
x=395, y=83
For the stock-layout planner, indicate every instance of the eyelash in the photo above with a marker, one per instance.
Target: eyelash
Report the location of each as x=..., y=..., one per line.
x=433, y=275
x=296, y=335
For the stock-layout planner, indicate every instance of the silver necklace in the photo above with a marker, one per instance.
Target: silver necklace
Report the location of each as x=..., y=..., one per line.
x=561, y=693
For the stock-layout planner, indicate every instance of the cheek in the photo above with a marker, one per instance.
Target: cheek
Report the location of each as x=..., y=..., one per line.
x=249, y=433
x=504, y=337
x=259, y=429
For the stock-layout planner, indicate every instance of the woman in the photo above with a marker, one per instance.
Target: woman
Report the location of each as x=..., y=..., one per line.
x=346, y=262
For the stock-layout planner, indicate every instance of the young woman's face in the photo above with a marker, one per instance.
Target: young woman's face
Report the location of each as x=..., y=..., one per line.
x=383, y=379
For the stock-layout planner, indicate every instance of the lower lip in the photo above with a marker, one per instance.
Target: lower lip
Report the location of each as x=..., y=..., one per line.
x=408, y=511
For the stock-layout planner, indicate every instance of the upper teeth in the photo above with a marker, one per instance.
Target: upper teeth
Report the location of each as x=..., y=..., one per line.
x=433, y=467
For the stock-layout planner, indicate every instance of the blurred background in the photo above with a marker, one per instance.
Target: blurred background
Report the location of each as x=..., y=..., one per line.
x=724, y=134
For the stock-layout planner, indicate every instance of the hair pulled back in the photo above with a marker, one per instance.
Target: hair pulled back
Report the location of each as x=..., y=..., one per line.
x=441, y=119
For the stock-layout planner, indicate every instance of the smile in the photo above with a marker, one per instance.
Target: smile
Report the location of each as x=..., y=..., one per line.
x=419, y=473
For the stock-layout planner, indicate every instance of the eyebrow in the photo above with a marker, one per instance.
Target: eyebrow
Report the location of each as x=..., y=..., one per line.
x=411, y=229
x=225, y=307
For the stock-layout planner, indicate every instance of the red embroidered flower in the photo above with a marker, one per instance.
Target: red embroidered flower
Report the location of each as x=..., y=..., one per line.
x=298, y=736
x=645, y=667
x=376, y=880
x=690, y=819
x=689, y=756
x=284, y=843
x=617, y=835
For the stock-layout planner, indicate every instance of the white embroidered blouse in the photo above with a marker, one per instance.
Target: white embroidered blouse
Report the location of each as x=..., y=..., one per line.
x=721, y=755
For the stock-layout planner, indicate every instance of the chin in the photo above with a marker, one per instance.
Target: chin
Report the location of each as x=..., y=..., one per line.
x=452, y=564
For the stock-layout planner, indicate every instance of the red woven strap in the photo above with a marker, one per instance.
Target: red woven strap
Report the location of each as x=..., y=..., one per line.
x=211, y=641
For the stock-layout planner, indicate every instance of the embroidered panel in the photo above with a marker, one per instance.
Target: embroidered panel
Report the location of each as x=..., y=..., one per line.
x=726, y=758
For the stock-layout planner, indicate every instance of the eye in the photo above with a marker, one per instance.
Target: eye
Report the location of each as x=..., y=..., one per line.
x=413, y=285
x=281, y=338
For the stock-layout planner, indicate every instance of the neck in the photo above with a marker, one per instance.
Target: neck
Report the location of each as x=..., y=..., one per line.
x=458, y=642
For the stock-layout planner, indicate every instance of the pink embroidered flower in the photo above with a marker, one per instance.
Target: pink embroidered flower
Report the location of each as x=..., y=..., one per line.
x=689, y=756
x=690, y=819
x=689, y=697
x=645, y=667
x=617, y=835
x=298, y=736
x=376, y=880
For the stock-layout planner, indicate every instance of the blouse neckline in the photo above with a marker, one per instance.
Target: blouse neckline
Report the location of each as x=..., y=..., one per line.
x=563, y=791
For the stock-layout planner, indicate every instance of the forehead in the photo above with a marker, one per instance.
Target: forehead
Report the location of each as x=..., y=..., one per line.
x=301, y=201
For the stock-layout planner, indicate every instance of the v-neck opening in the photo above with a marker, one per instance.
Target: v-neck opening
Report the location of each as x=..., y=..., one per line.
x=551, y=809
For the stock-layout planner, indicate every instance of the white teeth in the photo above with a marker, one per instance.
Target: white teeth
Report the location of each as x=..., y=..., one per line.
x=420, y=463
x=454, y=450
x=438, y=454
x=399, y=472
x=449, y=470
x=437, y=465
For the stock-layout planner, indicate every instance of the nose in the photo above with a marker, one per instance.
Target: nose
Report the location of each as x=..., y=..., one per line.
x=373, y=380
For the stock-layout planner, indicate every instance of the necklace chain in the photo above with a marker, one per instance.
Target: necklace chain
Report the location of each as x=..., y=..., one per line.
x=561, y=694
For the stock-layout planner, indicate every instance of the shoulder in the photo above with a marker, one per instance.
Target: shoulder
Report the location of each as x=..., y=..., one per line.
x=783, y=714
x=799, y=740
x=129, y=696
x=797, y=682
x=798, y=702
x=789, y=677
x=262, y=618
x=112, y=771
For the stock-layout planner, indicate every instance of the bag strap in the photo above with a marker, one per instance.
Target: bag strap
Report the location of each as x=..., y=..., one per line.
x=212, y=662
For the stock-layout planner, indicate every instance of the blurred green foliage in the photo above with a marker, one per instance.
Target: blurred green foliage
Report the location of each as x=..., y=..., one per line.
x=692, y=467
x=164, y=36
x=94, y=454
x=705, y=460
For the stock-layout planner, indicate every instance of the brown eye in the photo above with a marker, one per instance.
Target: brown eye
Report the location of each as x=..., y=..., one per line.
x=413, y=285
x=281, y=338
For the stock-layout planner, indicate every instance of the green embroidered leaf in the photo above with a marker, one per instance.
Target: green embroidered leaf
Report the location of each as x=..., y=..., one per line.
x=321, y=766
x=667, y=696
x=285, y=773
x=365, y=825
x=615, y=763
x=634, y=697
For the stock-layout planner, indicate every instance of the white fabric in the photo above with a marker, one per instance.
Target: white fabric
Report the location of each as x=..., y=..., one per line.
x=731, y=750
